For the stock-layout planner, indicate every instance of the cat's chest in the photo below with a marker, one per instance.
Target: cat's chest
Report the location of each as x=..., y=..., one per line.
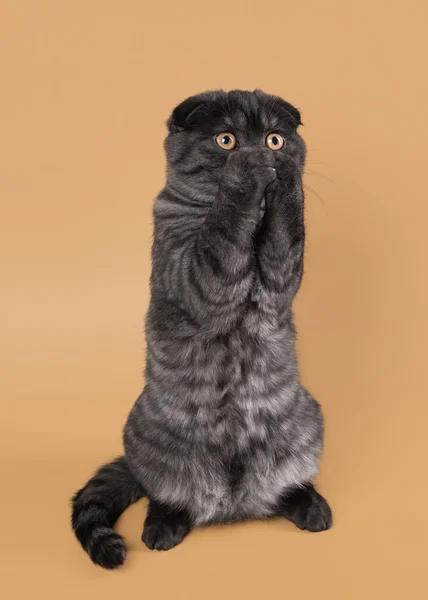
x=243, y=356
x=250, y=389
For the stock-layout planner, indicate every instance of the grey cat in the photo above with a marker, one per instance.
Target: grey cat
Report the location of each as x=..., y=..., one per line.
x=223, y=429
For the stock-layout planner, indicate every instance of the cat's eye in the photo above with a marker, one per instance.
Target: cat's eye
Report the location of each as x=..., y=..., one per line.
x=227, y=141
x=275, y=141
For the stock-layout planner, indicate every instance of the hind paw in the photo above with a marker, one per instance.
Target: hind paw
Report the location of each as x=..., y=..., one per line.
x=163, y=536
x=307, y=509
x=164, y=528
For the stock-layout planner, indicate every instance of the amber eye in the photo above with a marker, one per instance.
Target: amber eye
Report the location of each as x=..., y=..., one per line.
x=275, y=141
x=227, y=141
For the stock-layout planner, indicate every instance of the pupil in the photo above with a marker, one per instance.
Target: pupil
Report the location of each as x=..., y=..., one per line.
x=226, y=139
x=275, y=140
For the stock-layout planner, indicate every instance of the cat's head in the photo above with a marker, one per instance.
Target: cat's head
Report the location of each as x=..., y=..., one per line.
x=205, y=128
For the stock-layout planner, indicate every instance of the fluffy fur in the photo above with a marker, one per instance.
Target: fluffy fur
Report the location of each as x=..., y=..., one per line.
x=223, y=429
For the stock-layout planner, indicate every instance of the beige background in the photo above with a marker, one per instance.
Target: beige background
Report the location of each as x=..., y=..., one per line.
x=86, y=87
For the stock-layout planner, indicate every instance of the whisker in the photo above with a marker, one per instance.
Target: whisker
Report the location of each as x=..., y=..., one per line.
x=308, y=187
x=312, y=172
x=317, y=162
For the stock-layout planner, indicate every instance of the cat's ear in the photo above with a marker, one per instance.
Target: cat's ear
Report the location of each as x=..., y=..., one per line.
x=290, y=112
x=185, y=113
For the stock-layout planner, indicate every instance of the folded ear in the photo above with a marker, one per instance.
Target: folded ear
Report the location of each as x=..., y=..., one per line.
x=292, y=111
x=185, y=113
x=289, y=111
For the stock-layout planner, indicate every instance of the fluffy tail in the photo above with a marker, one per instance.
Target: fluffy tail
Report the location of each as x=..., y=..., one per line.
x=96, y=508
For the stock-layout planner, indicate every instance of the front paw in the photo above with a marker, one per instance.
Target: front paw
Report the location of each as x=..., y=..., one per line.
x=249, y=168
x=287, y=177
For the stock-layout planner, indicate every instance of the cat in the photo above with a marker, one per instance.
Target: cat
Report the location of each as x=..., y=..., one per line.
x=223, y=430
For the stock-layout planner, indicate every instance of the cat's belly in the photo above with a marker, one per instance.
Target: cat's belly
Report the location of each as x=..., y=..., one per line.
x=241, y=399
x=205, y=480
x=209, y=496
x=257, y=496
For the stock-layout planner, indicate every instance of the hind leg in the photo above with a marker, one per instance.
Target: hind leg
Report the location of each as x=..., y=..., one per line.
x=306, y=508
x=164, y=527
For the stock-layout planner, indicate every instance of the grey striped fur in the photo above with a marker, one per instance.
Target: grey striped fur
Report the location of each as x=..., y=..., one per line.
x=222, y=381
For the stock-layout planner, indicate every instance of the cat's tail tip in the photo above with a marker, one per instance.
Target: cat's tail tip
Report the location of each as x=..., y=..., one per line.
x=97, y=506
x=108, y=548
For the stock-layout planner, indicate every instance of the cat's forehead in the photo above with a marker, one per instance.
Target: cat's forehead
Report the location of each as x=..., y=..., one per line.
x=242, y=119
x=244, y=111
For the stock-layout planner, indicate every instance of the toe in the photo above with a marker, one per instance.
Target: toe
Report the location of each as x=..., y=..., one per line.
x=179, y=534
x=149, y=536
x=165, y=538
